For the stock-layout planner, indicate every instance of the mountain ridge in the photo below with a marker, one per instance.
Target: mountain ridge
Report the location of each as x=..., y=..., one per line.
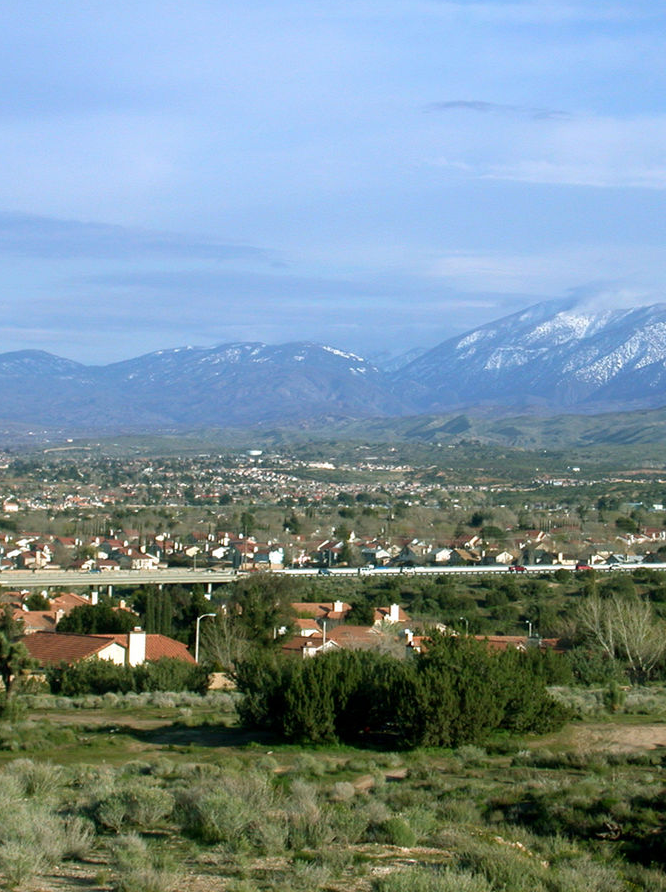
x=550, y=358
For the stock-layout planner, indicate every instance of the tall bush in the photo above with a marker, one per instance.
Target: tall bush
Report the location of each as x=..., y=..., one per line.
x=455, y=693
x=103, y=676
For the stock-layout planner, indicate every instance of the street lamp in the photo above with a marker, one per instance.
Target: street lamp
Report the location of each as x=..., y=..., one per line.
x=528, y=623
x=463, y=619
x=196, y=639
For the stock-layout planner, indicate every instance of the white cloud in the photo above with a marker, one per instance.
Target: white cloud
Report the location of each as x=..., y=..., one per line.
x=585, y=270
x=581, y=151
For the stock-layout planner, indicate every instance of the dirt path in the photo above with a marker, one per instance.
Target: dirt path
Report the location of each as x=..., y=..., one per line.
x=610, y=738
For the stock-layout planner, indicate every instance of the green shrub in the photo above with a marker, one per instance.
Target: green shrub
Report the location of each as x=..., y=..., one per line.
x=396, y=832
x=422, y=879
x=138, y=805
x=140, y=869
x=233, y=812
x=110, y=679
x=19, y=862
x=38, y=779
x=79, y=837
x=455, y=693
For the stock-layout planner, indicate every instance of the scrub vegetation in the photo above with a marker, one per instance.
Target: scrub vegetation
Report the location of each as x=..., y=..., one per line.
x=150, y=792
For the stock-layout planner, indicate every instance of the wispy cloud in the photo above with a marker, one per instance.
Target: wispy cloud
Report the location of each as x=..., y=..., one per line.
x=586, y=150
x=580, y=270
x=47, y=237
x=477, y=105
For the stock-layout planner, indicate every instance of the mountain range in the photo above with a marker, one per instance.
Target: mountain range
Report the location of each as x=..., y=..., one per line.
x=550, y=358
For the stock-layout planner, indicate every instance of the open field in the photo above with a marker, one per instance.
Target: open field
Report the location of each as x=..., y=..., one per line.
x=145, y=793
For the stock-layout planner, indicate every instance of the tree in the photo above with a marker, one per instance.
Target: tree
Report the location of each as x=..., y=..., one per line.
x=292, y=524
x=362, y=614
x=261, y=607
x=582, y=510
x=625, y=628
x=626, y=524
x=248, y=523
x=97, y=619
x=14, y=656
x=223, y=642
x=346, y=555
x=37, y=601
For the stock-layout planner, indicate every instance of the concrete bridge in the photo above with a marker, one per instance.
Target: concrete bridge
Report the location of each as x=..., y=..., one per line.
x=44, y=579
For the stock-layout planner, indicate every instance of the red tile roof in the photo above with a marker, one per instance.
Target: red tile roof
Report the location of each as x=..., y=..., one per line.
x=354, y=637
x=55, y=647
x=320, y=609
x=37, y=620
x=67, y=601
x=52, y=648
x=158, y=646
x=383, y=614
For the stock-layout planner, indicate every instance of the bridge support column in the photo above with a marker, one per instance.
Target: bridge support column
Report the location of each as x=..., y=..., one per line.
x=109, y=590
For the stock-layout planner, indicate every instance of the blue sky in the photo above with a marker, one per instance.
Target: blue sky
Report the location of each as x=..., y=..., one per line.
x=375, y=175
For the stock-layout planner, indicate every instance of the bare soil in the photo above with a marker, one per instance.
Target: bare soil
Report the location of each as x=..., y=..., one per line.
x=607, y=737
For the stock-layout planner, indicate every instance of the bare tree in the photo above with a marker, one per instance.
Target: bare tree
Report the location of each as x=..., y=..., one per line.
x=223, y=642
x=625, y=628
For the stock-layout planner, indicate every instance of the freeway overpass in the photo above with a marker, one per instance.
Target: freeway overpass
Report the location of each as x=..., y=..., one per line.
x=44, y=579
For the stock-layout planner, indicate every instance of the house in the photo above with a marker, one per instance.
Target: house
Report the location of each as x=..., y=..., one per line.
x=407, y=557
x=127, y=649
x=467, y=540
x=269, y=557
x=460, y=557
x=334, y=612
x=356, y=637
x=439, y=556
x=306, y=627
x=67, y=601
x=132, y=559
x=37, y=620
x=309, y=647
x=375, y=554
x=392, y=614
x=54, y=648
x=415, y=644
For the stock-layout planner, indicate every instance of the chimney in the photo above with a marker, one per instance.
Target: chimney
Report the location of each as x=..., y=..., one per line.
x=394, y=613
x=409, y=636
x=338, y=606
x=136, y=650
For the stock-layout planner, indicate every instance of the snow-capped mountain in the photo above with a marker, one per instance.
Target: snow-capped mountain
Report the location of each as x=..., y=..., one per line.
x=228, y=385
x=552, y=357
x=243, y=383
x=556, y=355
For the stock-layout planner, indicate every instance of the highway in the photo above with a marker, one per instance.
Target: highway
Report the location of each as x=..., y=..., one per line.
x=44, y=579
x=24, y=579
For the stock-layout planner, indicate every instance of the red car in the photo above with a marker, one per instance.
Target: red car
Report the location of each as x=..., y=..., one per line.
x=517, y=569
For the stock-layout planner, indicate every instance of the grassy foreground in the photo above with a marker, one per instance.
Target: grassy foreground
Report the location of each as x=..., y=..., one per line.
x=158, y=792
